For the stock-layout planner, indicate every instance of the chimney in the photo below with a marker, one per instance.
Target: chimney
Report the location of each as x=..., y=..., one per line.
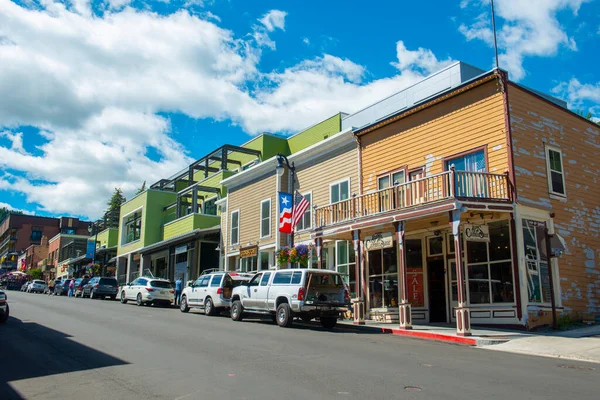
x=44, y=241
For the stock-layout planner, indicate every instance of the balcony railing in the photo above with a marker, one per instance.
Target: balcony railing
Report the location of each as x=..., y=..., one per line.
x=431, y=189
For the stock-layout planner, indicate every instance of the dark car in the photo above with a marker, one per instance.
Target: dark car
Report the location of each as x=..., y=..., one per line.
x=79, y=284
x=62, y=288
x=4, y=310
x=99, y=287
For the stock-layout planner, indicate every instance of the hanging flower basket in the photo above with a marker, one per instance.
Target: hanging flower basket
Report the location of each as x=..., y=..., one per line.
x=298, y=254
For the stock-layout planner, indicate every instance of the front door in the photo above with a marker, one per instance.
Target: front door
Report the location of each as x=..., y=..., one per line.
x=437, y=290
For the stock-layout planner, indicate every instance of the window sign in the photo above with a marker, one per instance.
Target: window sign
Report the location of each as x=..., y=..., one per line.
x=379, y=241
x=477, y=233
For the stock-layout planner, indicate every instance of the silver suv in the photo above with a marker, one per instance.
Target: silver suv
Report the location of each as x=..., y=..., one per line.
x=212, y=292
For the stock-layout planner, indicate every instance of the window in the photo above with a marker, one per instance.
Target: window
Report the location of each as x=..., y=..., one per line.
x=161, y=284
x=282, y=278
x=340, y=191
x=489, y=267
x=414, y=267
x=209, y=207
x=255, y=280
x=133, y=227
x=306, y=220
x=265, y=259
x=216, y=280
x=536, y=261
x=204, y=281
x=345, y=263
x=472, y=162
x=248, y=264
x=265, y=279
x=556, y=176
x=392, y=179
x=36, y=233
x=383, y=278
x=235, y=227
x=297, y=278
x=265, y=218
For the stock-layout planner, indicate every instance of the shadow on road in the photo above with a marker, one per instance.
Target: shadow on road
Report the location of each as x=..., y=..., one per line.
x=29, y=350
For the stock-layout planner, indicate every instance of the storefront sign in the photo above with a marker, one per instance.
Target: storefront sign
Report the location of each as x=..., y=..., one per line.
x=379, y=241
x=477, y=233
x=247, y=252
x=416, y=295
x=181, y=249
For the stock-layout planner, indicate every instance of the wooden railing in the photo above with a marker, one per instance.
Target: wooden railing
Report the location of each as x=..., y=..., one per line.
x=449, y=184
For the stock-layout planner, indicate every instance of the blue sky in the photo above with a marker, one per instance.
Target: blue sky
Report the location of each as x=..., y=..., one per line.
x=109, y=94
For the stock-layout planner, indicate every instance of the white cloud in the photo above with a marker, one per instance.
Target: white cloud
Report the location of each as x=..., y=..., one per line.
x=274, y=19
x=306, y=41
x=580, y=96
x=16, y=140
x=525, y=29
x=117, y=4
x=94, y=86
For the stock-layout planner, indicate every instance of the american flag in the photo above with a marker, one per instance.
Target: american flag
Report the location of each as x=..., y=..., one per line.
x=300, y=206
x=285, y=212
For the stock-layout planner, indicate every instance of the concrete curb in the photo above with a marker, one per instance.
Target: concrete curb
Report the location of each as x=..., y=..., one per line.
x=437, y=337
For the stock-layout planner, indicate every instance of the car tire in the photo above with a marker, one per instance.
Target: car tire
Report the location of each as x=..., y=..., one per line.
x=328, y=322
x=284, y=316
x=138, y=300
x=123, y=298
x=209, y=307
x=113, y=297
x=183, y=304
x=237, y=311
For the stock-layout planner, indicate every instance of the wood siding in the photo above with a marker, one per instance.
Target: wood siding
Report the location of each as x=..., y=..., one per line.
x=247, y=199
x=534, y=123
x=469, y=120
x=316, y=175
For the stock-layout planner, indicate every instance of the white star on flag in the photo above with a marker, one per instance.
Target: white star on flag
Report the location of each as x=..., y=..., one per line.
x=284, y=201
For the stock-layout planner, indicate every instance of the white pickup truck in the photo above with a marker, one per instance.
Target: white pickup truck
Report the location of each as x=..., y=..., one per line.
x=285, y=294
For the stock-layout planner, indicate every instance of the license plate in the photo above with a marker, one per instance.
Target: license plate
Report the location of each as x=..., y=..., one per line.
x=163, y=292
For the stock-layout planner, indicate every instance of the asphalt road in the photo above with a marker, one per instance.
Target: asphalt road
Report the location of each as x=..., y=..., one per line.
x=57, y=347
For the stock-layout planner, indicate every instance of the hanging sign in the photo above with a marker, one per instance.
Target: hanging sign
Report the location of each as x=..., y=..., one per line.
x=247, y=252
x=477, y=233
x=379, y=241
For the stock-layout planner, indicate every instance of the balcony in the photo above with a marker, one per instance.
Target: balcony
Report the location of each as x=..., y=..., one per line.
x=189, y=223
x=449, y=185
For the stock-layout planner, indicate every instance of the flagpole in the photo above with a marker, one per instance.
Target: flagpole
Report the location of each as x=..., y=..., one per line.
x=494, y=30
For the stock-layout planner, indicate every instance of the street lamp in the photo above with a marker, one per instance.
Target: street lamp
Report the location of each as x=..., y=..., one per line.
x=280, y=169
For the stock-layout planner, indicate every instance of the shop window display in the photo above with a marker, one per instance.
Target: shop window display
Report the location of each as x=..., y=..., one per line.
x=383, y=278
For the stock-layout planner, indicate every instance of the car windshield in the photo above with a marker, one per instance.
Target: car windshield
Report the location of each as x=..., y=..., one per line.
x=327, y=280
x=39, y=282
x=161, y=284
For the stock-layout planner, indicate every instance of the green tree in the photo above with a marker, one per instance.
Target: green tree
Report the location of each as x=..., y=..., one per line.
x=142, y=189
x=5, y=212
x=115, y=202
x=35, y=273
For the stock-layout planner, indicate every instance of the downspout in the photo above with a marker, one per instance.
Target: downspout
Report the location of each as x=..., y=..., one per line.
x=503, y=78
x=550, y=276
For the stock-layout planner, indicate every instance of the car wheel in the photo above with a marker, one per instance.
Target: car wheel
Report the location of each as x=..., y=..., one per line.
x=209, y=308
x=138, y=300
x=284, y=315
x=4, y=317
x=328, y=322
x=183, y=305
x=237, y=311
x=123, y=298
x=92, y=294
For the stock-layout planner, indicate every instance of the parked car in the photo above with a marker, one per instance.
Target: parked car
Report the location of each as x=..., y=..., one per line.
x=24, y=286
x=62, y=288
x=285, y=294
x=79, y=284
x=4, y=309
x=99, y=287
x=212, y=292
x=37, y=286
x=148, y=291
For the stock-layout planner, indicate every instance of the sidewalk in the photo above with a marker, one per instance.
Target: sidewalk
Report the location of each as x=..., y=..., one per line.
x=582, y=344
x=443, y=333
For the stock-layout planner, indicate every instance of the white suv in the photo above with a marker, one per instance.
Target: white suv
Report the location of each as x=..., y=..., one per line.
x=212, y=292
x=37, y=286
x=148, y=291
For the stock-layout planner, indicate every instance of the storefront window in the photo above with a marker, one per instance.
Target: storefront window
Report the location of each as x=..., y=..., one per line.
x=248, y=264
x=489, y=267
x=345, y=262
x=536, y=261
x=413, y=249
x=265, y=260
x=383, y=278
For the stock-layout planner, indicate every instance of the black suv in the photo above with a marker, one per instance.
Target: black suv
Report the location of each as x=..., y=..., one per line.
x=99, y=287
